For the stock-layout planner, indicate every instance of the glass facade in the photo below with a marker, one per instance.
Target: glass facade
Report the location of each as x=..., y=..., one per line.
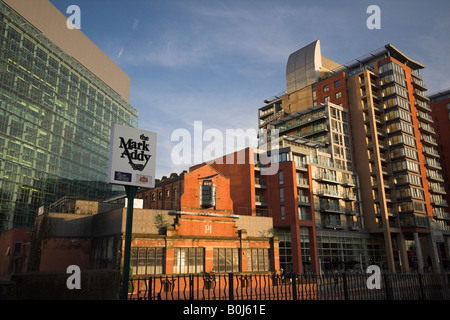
x=55, y=123
x=349, y=251
x=336, y=250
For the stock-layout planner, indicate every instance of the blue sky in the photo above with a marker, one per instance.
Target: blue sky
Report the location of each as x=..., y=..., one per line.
x=216, y=61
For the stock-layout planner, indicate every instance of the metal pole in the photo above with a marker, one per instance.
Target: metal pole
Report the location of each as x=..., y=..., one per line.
x=131, y=193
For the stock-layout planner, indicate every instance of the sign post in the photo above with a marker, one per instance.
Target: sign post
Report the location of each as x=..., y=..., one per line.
x=132, y=163
x=131, y=193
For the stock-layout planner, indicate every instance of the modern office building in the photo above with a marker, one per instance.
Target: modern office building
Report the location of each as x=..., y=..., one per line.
x=394, y=147
x=60, y=95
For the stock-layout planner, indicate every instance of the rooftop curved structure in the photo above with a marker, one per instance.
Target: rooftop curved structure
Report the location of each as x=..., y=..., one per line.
x=303, y=67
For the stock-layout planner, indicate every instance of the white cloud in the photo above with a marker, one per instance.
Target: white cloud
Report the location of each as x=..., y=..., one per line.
x=120, y=53
x=135, y=24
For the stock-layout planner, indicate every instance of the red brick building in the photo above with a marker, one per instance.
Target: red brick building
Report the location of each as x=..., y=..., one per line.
x=251, y=195
x=12, y=248
x=204, y=228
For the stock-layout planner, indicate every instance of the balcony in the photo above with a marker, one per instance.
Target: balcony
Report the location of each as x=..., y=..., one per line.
x=302, y=121
x=418, y=83
x=303, y=200
x=259, y=183
x=443, y=225
x=389, y=185
x=422, y=106
x=440, y=213
x=270, y=116
x=437, y=189
x=351, y=211
x=332, y=208
x=413, y=221
x=349, y=196
x=260, y=201
x=315, y=129
x=434, y=175
x=430, y=152
x=381, y=133
x=378, y=120
x=376, y=97
x=327, y=178
x=438, y=201
x=302, y=183
x=432, y=163
x=424, y=117
x=348, y=182
x=328, y=193
x=266, y=113
x=355, y=226
x=428, y=140
x=332, y=225
x=426, y=128
x=421, y=96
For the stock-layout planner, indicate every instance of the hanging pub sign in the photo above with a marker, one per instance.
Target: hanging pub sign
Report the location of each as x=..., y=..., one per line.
x=132, y=157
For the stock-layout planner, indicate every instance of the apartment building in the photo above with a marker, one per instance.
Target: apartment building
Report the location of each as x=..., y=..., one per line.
x=393, y=143
x=440, y=112
x=59, y=95
x=324, y=229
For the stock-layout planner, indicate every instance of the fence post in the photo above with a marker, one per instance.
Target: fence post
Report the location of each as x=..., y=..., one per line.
x=294, y=286
x=446, y=286
x=387, y=287
x=150, y=280
x=231, y=286
x=422, y=291
x=191, y=287
x=344, y=282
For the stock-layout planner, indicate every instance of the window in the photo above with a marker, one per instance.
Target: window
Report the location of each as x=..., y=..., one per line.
x=338, y=95
x=258, y=260
x=327, y=99
x=226, y=260
x=337, y=83
x=188, y=260
x=147, y=260
x=326, y=88
x=282, y=157
x=17, y=249
x=402, y=138
x=282, y=213
x=303, y=213
x=280, y=177
x=207, y=194
x=281, y=194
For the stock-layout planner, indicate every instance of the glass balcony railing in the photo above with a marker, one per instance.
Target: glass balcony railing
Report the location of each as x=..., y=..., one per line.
x=302, y=199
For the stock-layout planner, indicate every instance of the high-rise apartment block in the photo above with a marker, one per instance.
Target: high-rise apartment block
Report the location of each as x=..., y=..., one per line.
x=60, y=95
x=440, y=111
x=373, y=119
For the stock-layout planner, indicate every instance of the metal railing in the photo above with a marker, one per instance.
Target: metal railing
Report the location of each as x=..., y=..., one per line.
x=272, y=286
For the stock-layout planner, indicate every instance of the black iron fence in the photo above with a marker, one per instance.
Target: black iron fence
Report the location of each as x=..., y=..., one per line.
x=269, y=286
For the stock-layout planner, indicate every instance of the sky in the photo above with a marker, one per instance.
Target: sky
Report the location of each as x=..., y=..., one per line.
x=212, y=63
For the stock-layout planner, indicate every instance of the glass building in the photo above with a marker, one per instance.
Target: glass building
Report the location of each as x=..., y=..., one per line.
x=55, y=122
